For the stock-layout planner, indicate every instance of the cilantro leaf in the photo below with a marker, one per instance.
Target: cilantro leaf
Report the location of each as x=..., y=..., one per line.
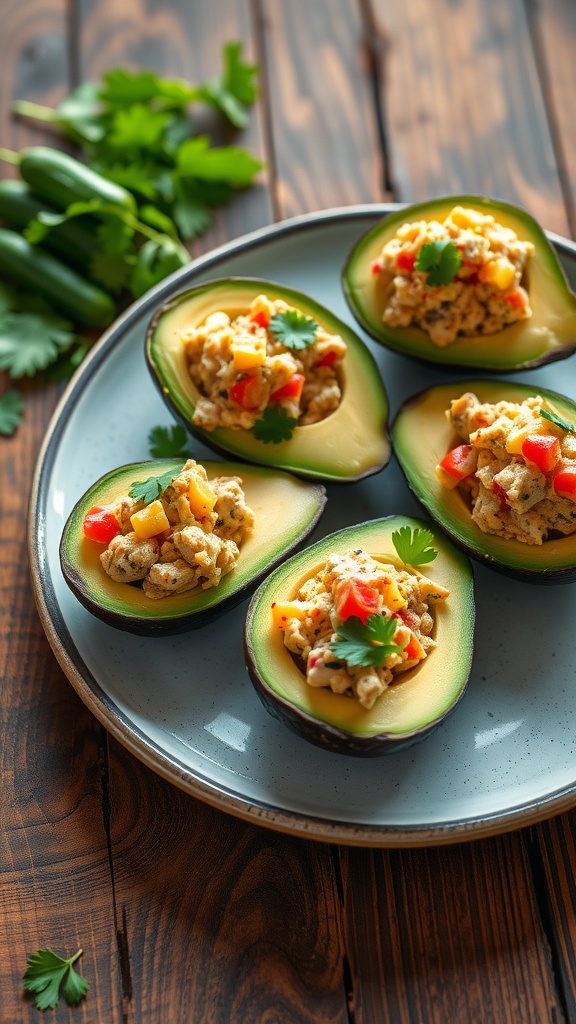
x=274, y=426
x=31, y=341
x=122, y=87
x=440, y=259
x=11, y=412
x=137, y=127
x=293, y=329
x=553, y=417
x=151, y=488
x=363, y=645
x=48, y=976
x=413, y=546
x=168, y=442
x=235, y=89
x=231, y=164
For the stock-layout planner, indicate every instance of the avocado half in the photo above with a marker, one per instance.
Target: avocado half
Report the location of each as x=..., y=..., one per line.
x=549, y=334
x=422, y=436
x=351, y=443
x=126, y=607
x=408, y=710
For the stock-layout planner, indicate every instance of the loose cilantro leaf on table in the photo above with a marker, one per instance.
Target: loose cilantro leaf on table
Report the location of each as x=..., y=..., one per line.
x=440, y=260
x=363, y=645
x=274, y=426
x=168, y=442
x=413, y=546
x=293, y=329
x=49, y=976
x=151, y=488
x=553, y=417
x=235, y=89
x=11, y=412
x=31, y=341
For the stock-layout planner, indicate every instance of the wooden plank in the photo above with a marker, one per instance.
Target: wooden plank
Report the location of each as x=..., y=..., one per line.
x=469, y=73
x=554, y=860
x=322, y=122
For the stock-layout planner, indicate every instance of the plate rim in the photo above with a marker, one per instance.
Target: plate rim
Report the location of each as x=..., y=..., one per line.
x=103, y=707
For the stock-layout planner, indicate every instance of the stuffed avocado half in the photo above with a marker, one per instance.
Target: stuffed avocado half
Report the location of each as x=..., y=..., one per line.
x=125, y=605
x=424, y=435
x=539, y=293
x=417, y=700
x=349, y=441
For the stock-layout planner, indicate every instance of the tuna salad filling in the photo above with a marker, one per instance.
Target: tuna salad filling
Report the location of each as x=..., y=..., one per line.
x=358, y=624
x=273, y=356
x=516, y=466
x=458, y=277
x=188, y=536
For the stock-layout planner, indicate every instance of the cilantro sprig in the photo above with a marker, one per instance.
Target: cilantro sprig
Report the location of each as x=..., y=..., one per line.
x=413, y=546
x=553, y=417
x=293, y=329
x=439, y=260
x=168, y=442
x=49, y=976
x=151, y=488
x=362, y=644
x=274, y=425
x=11, y=411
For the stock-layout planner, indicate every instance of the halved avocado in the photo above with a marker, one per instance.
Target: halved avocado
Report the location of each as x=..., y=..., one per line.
x=349, y=444
x=422, y=436
x=408, y=710
x=549, y=334
x=126, y=607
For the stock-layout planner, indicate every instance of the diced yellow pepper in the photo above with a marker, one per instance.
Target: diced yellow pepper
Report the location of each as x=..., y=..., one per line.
x=150, y=521
x=284, y=610
x=518, y=435
x=248, y=353
x=392, y=597
x=499, y=272
x=202, y=497
x=466, y=218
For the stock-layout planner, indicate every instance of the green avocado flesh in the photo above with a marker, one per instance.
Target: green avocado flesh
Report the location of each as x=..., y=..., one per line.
x=351, y=443
x=549, y=334
x=407, y=710
x=125, y=606
x=422, y=436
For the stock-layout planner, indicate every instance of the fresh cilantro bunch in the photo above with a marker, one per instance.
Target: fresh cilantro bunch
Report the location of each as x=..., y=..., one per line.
x=49, y=976
x=137, y=129
x=363, y=645
x=439, y=260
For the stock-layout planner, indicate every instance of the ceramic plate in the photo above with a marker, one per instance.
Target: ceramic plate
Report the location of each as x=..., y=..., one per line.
x=185, y=706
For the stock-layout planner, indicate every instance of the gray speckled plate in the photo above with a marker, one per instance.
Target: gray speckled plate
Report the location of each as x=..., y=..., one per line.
x=185, y=705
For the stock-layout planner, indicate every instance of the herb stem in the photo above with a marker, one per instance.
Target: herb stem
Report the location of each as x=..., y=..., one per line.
x=9, y=156
x=26, y=108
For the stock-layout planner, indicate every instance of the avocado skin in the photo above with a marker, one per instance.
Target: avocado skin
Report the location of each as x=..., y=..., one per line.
x=329, y=735
x=526, y=345
x=176, y=614
x=349, y=445
x=553, y=562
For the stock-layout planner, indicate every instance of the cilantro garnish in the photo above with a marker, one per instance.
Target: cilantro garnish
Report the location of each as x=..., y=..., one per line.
x=369, y=644
x=151, y=488
x=293, y=329
x=11, y=412
x=440, y=260
x=412, y=546
x=49, y=976
x=168, y=442
x=31, y=341
x=558, y=421
x=274, y=426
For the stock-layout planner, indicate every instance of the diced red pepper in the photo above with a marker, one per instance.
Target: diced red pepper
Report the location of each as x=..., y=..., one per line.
x=405, y=261
x=543, y=450
x=292, y=389
x=376, y=267
x=245, y=391
x=329, y=359
x=262, y=318
x=516, y=299
x=356, y=598
x=564, y=482
x=100, y=525
x=460, y=462
x=501, y=494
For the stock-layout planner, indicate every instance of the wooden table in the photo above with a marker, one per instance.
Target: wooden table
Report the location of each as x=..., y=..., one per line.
x=185, y=913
